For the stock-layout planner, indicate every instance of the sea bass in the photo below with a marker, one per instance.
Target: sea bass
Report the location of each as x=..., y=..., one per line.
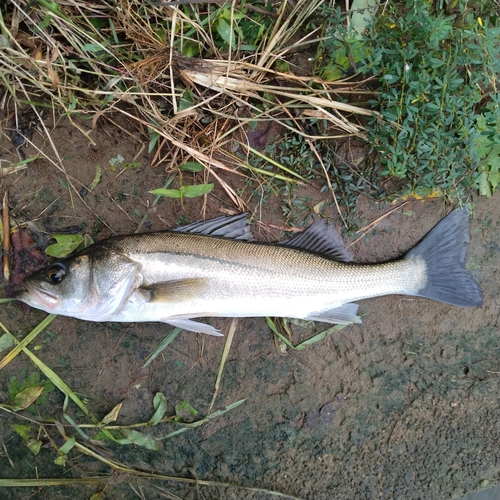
x=215, y=268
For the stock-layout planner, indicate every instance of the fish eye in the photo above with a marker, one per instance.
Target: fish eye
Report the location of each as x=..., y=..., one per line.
x=56, y=273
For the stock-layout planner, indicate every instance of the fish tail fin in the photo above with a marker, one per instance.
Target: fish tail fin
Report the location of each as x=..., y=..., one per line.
x=444, y=251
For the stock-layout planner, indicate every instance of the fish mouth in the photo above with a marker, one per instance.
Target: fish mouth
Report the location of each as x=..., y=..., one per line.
x=37, y=297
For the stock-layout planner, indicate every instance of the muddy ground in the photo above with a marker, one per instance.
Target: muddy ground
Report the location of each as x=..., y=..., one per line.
x=403, y=406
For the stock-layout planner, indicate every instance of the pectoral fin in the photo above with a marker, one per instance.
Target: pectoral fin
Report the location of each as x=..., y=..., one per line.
x=194, y=326
x=343, y=315
x=177, y=291
x=174, y=291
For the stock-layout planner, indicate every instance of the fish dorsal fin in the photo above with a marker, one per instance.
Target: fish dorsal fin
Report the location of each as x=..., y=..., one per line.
x=227, y=226
x=173, y=291
x=321, y=238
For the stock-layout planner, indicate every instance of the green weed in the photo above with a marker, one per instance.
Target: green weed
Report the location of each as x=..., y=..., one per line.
x=74, y=436
x=437, y=76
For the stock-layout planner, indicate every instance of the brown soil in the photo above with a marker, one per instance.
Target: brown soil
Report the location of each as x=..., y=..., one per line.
x=403, y=406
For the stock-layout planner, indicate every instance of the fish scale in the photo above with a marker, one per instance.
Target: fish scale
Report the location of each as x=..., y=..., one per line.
x=297, y=272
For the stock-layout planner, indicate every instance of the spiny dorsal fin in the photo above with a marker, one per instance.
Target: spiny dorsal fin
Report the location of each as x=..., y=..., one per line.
x=227, y=226
x=174, y=291
x=321, y=238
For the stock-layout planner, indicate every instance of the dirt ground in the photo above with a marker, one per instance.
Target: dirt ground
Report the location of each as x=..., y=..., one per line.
x=404, y=405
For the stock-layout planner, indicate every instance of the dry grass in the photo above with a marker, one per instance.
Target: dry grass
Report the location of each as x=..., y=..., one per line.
x=91, y=61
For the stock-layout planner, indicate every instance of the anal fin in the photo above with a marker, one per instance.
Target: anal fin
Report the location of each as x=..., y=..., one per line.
x=194, y=326
x=343, y=315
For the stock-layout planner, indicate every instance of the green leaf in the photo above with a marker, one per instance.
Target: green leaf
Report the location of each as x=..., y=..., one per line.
x=184, y=411
x=93, y=47
x=64, y=450
x=24, y=162
x=153, y=139
x=248, y=48
x=130, y=165
x=6, y=341
x=97, y=178
x=489, y=166
x=494, y=178
x=140, y=439
x=225, y=31
x=110, y=434
x=186, y=101
x=23, y=430
x=53, y=7
x=169, y=193
x=282, y=66
x=73, y=103
x=86, y=242
x=44, y=22
x=98, y=22
x=363, y=13
x=34, y=447
x=160, y=405
x=66, y=244
x=332, y=72
x=192, y=166
x=26, y=397
x=14, y=387
x=63, y=183
x=4, y=41
x=493, y=159
x=198, y=190
x=272, y=326
x=190, y=49
x=67, y=446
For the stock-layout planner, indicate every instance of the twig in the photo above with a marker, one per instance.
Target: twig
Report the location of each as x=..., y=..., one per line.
x=318, y=156
x=7, y=455
x=225, y=354
x=6, y=236
x=367, y=228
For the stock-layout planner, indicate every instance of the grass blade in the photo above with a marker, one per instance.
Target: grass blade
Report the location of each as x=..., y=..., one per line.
x=204, y=420
x=162, y=345
x=23, y=343
x=225, y=354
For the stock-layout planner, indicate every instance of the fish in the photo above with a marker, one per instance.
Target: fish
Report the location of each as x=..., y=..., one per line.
x=215, y=268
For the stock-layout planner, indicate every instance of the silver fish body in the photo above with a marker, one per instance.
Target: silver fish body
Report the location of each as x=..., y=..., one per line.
x=197, y=271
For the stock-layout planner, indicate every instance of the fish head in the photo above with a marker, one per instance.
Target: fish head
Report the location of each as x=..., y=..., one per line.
x=90, y=285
